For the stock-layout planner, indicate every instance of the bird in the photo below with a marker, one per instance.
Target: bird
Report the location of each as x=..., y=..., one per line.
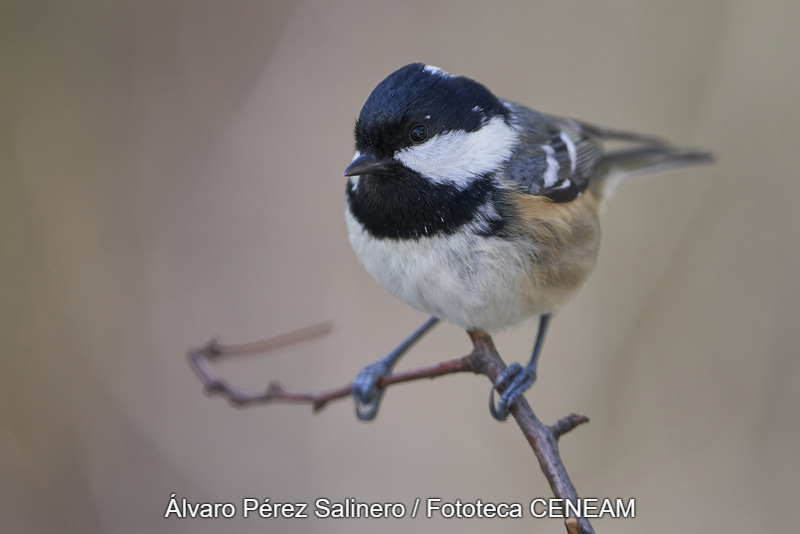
x=480, y=211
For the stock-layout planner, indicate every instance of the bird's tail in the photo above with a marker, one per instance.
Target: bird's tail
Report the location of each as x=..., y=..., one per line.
x=617, y=167
x=644, y=154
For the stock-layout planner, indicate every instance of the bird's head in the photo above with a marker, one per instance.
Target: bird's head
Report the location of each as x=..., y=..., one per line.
x=448, y=129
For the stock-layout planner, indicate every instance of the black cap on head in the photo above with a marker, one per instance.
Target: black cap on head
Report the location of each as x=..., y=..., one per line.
x=419, y=94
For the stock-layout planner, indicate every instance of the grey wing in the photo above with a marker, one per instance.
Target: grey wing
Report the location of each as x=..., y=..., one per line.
x=605, y=134
x=553, y=159
x=636, y=155
x=559, y=158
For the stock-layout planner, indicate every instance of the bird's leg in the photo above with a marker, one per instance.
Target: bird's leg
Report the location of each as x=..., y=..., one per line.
x=366, y=392
x=521, y=378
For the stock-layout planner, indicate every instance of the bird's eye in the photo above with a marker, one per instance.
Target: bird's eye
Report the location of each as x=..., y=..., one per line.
x=418, y=133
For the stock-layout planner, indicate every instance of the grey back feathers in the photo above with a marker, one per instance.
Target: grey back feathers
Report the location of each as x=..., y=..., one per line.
x=550, y=159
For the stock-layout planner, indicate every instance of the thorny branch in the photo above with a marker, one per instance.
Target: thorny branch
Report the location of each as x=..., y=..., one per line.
x=483, y=359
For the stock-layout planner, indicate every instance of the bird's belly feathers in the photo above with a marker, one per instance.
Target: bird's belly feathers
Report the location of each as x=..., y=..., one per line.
x=473, y=281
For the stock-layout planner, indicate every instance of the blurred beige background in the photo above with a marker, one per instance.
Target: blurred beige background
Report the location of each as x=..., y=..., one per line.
x=170, y=171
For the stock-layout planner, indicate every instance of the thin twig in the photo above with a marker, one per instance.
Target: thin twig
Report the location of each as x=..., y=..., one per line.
x=542, y=438
x=565, y=424
x=483, y=359
x=215, y=385
x=572, y=525
x=215, y=350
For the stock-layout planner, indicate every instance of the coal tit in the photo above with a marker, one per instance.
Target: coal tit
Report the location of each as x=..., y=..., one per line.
x=480, y=211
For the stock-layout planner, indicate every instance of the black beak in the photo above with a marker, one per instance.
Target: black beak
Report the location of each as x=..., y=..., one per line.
x=366, y=162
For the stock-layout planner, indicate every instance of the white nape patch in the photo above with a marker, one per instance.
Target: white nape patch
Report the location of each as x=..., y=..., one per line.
x=551, y=174
x=570, y=149
x=477, y=109
x=457, y=156
x=436, y=70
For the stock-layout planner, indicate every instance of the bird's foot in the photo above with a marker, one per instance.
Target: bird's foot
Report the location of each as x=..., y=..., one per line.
x=518, y=379
x=366, y=391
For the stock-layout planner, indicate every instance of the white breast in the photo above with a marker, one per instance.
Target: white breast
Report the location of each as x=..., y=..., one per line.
x=472, y=281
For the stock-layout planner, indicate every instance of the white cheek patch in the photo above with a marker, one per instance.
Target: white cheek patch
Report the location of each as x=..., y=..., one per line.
x=458, y=156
